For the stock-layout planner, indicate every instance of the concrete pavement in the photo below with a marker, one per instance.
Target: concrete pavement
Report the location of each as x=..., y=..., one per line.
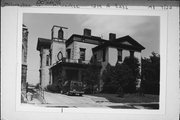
x=65, y=101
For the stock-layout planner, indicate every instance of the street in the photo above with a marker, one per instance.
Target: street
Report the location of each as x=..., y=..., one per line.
x=65, y=101
x=61, y=100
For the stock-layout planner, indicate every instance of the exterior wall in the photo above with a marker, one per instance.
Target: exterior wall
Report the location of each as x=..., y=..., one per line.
x=112, y=56
x=125, y=53
x=103, y=64
x=56, y=47
x=138, y=55
x=44, y=69
x=71, y=47
x=75, y=50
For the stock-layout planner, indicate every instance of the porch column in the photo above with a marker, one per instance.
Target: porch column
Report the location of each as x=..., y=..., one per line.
x=79, y=75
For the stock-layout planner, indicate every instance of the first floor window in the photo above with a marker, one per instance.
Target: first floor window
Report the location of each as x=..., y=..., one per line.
x=119, y=55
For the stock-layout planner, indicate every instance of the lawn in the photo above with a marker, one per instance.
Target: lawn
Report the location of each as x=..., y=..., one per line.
x=129, y=98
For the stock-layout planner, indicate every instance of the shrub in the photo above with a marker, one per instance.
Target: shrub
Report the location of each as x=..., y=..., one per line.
x=53, y=88
x=150, y=87
x=118, y=79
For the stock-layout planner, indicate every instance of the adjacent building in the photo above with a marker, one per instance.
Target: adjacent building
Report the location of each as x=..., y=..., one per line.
x=62, y=59
x=24, y=55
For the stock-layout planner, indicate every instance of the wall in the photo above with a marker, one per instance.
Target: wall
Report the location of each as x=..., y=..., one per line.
x=138, y=56
x=75, y=49
x=56, y=47
x=44, y=69
x=112, y=56
x=125, y=53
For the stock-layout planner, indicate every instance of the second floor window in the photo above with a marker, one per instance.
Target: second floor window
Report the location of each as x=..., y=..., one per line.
x=82, y=54
x=119, y=55
x=68, y=51
x=131, y=53
x=104, y=55
x=47, y=60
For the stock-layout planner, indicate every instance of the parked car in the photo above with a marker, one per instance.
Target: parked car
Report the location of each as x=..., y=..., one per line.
x=73, y=88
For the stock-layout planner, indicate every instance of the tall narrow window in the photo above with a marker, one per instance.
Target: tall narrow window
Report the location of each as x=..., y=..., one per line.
x=95, y=57
x=104, y=54
x=40, y=60
x=68, y=51
x=119, y=55
x=131, y=53
x=82, y=54
x=47, y=60
x=50, y=56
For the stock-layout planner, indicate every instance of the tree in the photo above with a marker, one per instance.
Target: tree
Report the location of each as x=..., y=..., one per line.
x=116, y=78
x=134, y=65
x=91, y=76
x=151, y=74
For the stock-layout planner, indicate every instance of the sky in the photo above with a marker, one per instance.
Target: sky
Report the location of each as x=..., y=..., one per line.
x=144, y=29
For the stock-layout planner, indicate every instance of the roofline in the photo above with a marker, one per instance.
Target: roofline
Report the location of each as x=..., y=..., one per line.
x=70, y=40
x=127, y=39
x=116, y=45
x=45, y=41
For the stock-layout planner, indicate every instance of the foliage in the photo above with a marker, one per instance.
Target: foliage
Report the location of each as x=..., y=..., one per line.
x=91, y=77
x=134, y=65
x=56, y=87
x=116, y=78
x=53, y=88
x=151, y=74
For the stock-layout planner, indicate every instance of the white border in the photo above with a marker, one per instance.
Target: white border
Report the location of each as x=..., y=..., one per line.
x=163, y=58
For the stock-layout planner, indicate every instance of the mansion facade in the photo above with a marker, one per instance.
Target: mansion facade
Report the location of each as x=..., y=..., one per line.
x=68, y=58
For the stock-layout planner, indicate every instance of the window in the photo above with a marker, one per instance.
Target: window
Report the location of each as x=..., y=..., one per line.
x=47, y=60
x=104, y=54
x=82, y=54
x=68, y=51
x=95, y=57
x=131, y=53
x=119, y=55
x=50, y=56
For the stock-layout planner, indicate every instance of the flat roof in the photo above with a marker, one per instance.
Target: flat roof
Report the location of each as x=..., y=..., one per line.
x=43, y=42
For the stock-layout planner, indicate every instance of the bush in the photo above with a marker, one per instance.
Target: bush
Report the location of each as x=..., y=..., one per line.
x=150, y=87
x=118, y=79
x=54, y=88
x=37, y=86
x=109, y=88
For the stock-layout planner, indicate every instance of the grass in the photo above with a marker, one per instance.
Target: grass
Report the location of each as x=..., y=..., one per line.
x=129, y=98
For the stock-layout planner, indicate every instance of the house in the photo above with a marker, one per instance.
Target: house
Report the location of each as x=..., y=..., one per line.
x=24, y=55
x=63, y=59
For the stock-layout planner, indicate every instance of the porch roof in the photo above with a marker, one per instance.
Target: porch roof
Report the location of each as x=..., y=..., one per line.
x=74, y=65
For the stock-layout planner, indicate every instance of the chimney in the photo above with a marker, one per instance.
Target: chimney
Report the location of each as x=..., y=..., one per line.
x=87, y=32
x=112, y=36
